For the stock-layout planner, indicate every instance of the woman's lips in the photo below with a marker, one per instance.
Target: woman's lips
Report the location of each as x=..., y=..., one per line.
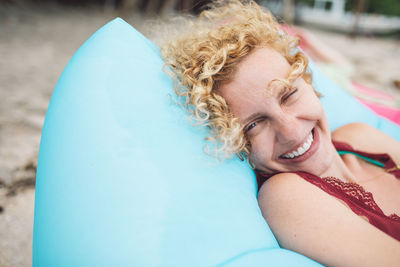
x=300, y=149
x=313, y=148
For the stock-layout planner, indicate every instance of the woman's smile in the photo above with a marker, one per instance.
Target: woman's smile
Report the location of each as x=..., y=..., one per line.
x=300, y=150
x=303, y=151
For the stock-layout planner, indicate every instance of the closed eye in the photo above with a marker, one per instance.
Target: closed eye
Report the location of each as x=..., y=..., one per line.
x=256, y=123
x=251, y=126
x=288, y=95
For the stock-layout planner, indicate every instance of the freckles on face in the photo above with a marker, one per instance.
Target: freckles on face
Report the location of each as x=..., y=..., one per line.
x=276, y=120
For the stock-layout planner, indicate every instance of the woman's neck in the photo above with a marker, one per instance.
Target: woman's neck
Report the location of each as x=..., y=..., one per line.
x=339, y=169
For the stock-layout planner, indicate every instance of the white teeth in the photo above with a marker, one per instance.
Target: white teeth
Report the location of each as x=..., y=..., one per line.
x=301, y=149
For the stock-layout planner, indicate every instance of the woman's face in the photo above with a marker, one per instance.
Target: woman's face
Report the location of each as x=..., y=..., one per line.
x=286, y=127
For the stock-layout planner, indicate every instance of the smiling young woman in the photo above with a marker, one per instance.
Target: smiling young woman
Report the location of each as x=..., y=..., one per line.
x=242, y=77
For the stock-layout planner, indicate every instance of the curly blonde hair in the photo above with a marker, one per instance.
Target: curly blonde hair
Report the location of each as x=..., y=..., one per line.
x=207, y=55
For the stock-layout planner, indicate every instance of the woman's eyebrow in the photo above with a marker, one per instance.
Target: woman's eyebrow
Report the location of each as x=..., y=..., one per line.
x=278, y=87
x=252, y=117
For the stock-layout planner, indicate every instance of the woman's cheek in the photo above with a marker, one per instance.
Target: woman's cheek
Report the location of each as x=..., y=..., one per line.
x=261, y=149
x=312, y=103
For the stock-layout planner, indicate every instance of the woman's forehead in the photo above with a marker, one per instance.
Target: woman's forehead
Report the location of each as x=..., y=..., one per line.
x=264, y=60
x=258, y=73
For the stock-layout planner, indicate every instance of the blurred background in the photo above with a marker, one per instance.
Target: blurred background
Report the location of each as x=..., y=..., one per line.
x=38, y=37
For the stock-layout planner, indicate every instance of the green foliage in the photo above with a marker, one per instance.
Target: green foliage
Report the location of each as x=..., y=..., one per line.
x=386, y=7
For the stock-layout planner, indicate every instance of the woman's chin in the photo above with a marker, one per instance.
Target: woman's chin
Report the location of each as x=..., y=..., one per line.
x=322, y=160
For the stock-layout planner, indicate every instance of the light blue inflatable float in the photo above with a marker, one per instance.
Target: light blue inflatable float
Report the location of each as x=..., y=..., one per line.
x=122, y=177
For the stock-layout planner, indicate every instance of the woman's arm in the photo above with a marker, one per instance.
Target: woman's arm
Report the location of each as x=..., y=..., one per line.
x=366, y=138
x=307, y=220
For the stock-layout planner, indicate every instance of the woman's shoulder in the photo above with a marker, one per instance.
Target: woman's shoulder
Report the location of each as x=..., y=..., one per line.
x=359, y=135
x=355, y=132
x=282, y=190
x=367, y=138
x=282, y=185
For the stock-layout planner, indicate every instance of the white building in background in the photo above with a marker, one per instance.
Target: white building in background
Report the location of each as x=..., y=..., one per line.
x=331, y=14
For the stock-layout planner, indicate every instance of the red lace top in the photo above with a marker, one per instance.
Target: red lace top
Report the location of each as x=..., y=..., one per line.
x=360, y=201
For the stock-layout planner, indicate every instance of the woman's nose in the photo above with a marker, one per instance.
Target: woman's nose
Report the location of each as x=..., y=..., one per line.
x=287, y=129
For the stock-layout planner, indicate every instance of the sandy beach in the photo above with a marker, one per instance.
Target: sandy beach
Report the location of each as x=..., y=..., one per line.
x=36, y=45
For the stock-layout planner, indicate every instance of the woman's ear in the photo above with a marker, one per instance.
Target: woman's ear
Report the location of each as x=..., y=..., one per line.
x=318, y=94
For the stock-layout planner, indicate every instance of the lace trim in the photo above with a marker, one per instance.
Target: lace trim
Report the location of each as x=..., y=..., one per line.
x=358, y=194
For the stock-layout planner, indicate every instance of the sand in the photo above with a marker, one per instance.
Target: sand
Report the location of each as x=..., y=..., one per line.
x=35, y=46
